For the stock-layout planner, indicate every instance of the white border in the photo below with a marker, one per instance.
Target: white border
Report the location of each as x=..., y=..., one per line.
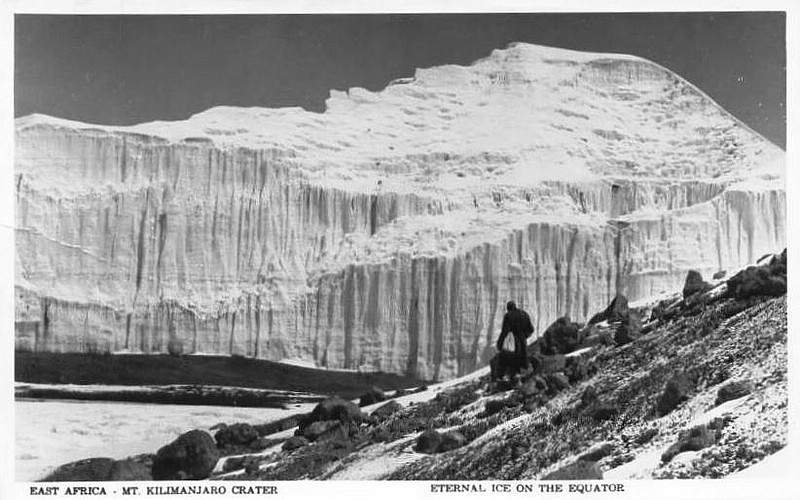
x=727, y=489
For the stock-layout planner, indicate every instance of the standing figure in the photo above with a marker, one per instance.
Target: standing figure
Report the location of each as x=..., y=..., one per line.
x=517, y=323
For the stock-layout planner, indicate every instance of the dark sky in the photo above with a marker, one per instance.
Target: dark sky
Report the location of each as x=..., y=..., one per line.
x=128, y=69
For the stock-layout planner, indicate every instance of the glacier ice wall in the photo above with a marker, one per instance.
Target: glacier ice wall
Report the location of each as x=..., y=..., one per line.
x=388, y=233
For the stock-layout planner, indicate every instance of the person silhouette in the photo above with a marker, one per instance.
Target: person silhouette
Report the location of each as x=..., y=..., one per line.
x=517, y=323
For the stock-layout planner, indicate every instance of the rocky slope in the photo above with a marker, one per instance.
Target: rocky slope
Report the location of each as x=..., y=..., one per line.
x=691, y=386
x=388, y=232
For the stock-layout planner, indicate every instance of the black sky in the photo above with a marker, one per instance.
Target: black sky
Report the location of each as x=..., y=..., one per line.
x=128, y=69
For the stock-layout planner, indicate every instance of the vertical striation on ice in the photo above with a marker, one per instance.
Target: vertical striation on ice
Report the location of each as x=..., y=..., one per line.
x=388, y=232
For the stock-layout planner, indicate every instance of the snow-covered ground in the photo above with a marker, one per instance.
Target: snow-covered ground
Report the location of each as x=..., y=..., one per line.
x=52, y=433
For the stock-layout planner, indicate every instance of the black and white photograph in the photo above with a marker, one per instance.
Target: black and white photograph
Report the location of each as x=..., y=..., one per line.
x=511, y=252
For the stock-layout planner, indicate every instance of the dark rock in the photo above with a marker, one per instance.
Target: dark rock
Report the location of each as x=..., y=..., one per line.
x=129, y=470
x=694, y=439
x=501, y=385
x=694, y=284
x=675, y=392
x=628, y=330
x=451, y=441
x=758, y=280
x=597, y=452
x=617, y=310
x=556, y=382
x=333, y=409
x=249, y=463
x=101, y=469
x=719, y=275
x=777, y=264
x=218, y=426
x=280, y=425
x=503, y=364
x=734, y=390
x=428, y=442
x=561, y=337
x=233, y=463
x=294, y=442
x=374, y=395
x=553, y=364
x=192, y=456
x=90, y=469
x=577, y=471
x=261, y=442
x=236, y=434
x=604, y=411
x=385, y=410
x=317, y=429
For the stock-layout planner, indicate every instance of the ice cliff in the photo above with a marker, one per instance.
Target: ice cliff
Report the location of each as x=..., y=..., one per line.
x=388, y=232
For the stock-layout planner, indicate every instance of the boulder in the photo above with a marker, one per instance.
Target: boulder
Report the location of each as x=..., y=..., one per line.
x=249, y=463
x=101, y=469
x=561, y=337
x=318, y=429
x=777, y=264
x=451, y=440
x=428, y=442
x=758, y=280
x=719, y=275
x=129, y=470
x=694, y=439
x=694, y=284
x=236, y=435
x=261, y=443
x=576, y=471
x=374, y=395
x=617, y=310
x=675, y=391
x=385, y=410
x=734, y=390
x=192, y=456
x=294, y=442
x=283, y=424
x=90, y=469
x=334, y=408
